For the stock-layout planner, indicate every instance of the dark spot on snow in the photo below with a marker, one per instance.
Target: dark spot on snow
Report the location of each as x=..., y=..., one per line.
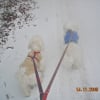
x=7, y=96
x=10, y=47
x=5, y=84
x=34, y=25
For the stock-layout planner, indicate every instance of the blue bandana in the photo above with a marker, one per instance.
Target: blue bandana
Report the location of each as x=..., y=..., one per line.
x=71, y=36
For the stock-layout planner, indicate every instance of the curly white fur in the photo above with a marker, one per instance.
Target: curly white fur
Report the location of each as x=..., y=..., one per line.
x=73, y=56
x=26, y=73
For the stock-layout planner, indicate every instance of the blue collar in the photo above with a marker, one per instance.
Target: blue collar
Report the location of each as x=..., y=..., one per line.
x=71, y=36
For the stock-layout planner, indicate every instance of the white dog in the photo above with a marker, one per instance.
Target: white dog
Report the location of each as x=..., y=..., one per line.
x=26, y=73
x=73, y=65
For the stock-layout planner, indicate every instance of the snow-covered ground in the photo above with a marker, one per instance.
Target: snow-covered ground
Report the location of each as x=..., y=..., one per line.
x=51, y=17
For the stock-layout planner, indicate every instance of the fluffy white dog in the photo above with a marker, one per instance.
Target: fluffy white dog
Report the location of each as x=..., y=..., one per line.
x=73, y=65
x=26, y=73
x=73, y=56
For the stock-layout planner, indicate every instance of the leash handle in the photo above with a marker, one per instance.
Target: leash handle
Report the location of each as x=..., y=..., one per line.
x=44, y=97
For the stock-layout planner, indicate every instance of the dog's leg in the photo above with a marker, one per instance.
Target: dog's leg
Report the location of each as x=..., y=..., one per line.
x=26, y=90
x=68, y=61
x=29, y=84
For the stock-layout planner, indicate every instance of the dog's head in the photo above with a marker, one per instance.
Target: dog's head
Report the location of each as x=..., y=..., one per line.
x=36, y=44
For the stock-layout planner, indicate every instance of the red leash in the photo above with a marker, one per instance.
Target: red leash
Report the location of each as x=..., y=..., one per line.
x=53, y=76
x=43, y=95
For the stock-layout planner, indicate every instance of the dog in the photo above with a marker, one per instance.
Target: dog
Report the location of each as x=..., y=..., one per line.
x=73, y=64
x=26, y=72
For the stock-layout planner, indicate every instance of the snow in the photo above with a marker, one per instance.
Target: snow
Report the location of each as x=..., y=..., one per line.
x=52, y=15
